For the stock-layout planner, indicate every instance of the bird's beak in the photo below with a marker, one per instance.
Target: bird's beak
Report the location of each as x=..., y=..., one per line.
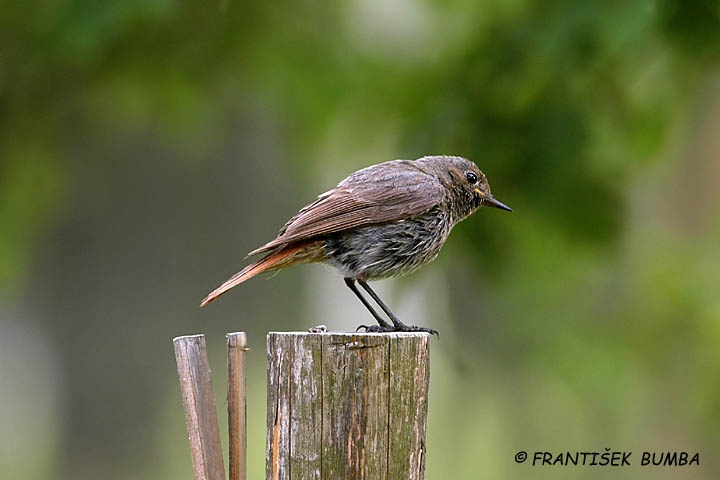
x=490, y=201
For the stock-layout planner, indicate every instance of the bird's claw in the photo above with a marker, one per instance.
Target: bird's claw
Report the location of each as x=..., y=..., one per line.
x=397, y=328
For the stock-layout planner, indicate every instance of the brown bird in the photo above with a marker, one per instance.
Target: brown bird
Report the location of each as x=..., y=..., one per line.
x=383, y=221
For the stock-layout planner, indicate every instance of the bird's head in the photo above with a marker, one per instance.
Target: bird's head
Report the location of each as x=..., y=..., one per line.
x=467, y=186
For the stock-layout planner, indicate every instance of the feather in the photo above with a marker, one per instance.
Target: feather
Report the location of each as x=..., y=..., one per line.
x=281, y=257
x=367, y=197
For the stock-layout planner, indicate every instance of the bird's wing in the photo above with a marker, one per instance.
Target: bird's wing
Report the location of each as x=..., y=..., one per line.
x=377, y=194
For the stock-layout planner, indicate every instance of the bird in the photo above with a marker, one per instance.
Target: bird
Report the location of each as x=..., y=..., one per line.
x=382, y=221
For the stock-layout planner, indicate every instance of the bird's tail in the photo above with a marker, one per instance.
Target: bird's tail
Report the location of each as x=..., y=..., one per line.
x=277, y=259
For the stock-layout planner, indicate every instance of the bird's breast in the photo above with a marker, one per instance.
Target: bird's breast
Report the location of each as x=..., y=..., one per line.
x=390, y=249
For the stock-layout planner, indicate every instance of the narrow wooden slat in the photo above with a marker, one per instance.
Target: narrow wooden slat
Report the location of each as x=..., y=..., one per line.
x=237, y=405
x=199, y=402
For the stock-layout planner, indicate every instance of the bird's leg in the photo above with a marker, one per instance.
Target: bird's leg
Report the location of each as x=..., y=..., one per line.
x=350, y=282
x=397, y=325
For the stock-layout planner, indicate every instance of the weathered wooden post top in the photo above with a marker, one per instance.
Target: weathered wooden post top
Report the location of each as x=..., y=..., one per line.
x=346, y=405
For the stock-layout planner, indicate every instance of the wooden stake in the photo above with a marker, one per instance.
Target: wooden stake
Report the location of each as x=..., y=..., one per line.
x=237, y=404
x=346, y=405
x=199, y=402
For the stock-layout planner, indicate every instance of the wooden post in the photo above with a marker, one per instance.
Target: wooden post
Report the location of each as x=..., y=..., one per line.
x=346, y=405
x=237, y=405
x=199, y=402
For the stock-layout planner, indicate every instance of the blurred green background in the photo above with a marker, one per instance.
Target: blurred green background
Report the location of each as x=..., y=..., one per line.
x=146, y=146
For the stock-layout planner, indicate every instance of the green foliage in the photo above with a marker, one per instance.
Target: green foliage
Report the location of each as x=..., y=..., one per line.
x=31, y=189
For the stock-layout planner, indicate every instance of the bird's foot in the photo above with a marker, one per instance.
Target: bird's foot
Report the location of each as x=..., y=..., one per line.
x=397, y=328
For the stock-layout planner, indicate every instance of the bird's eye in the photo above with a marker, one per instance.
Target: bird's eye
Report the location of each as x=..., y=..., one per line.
x=471, y=177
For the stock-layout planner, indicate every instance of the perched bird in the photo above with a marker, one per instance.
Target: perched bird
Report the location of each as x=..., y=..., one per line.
x=382, y=221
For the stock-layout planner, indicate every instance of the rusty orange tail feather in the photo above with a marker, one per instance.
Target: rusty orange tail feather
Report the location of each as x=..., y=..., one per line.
x=280, y=258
